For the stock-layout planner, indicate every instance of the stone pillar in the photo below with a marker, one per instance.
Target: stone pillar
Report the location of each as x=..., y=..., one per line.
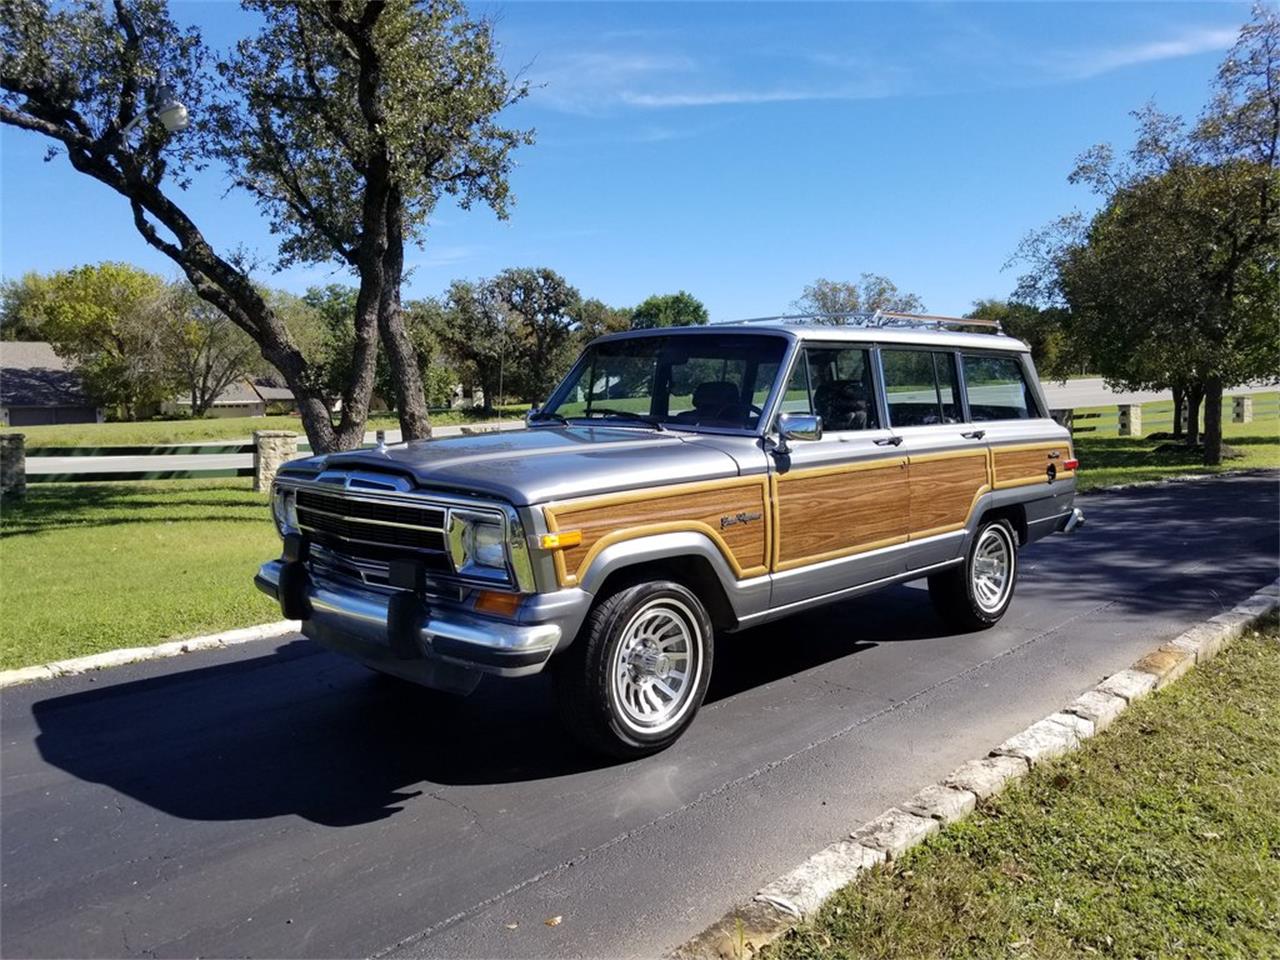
x=1184, y=417
x=271, y=448
x=1130, y=423
x=13, y=465
x=1065, y=417
x=1242, y=409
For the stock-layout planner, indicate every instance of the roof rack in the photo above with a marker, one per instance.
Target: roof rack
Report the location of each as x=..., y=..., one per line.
x=880, y=318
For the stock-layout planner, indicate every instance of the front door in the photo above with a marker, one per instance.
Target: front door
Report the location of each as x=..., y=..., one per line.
x=841, y=502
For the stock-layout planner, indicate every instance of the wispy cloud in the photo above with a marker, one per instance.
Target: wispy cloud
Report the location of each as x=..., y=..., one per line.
x=1082, y=64
x=593, y=81
x=717, y=98
x=441, y=256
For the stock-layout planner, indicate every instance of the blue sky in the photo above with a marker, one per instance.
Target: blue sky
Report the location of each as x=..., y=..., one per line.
x=738, y=151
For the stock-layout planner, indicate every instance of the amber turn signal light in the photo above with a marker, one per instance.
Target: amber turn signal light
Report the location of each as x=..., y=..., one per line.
x=558, y=541
x=504, y=604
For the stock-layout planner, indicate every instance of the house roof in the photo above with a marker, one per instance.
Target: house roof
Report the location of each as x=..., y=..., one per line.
x=32, y=375
x=246, y=391
x=270, y=393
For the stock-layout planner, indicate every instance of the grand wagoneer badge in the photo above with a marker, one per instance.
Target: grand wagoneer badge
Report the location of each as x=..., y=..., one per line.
x=737, y=518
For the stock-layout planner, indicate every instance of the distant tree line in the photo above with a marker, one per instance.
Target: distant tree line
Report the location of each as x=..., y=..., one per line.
x=139, y=340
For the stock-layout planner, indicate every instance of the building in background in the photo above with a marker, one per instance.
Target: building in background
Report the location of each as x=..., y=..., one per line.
x=244, y=398
x=37, y=387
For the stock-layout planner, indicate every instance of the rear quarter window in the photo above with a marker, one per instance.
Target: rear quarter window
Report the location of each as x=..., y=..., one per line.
x=998, y=389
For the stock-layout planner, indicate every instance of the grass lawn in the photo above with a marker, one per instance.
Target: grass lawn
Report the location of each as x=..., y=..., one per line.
x=156, y=432
x=93, y=567
x=1160, y=838
x=1108, y=459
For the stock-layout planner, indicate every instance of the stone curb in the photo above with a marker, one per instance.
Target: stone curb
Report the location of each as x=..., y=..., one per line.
x=798, y=894
x=171, y=648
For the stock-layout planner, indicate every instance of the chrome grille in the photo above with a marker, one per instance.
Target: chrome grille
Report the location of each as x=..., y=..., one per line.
x=374, y=530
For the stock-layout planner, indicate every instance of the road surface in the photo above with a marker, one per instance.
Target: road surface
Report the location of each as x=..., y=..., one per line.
x=277, y=800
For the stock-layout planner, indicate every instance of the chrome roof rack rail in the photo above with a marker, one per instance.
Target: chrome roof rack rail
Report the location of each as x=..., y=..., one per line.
x=880, y=318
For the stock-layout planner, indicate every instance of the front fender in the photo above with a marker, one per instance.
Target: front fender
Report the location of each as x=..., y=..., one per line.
x=745, y=596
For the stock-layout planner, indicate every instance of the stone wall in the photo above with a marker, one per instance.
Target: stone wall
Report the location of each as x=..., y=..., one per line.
x=271, y=448
x=13, y=465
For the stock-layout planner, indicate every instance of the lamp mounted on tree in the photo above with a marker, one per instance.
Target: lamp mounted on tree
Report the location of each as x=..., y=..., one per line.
x=168, y=109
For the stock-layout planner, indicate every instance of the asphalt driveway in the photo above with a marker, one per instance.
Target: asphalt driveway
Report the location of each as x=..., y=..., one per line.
x=276, y=800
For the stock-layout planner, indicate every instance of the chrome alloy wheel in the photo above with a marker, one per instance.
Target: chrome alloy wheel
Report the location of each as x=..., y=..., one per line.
x=657, y=665
x=992, y=569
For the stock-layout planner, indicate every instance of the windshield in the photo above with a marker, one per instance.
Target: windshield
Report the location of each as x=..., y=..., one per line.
x=683, y=381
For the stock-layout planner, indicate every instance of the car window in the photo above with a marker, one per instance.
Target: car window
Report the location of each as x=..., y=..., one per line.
x=797, y=397
x=704, y=380
x=920, y=387
x=998, y=389
x=948, y=378
x=842, y=390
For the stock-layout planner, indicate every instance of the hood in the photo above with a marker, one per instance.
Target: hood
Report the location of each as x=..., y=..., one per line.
x=545, y=463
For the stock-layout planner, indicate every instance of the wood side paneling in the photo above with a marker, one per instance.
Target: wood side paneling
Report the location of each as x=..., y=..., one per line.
x=825, y=513
x=943, y=490
x=1023, y=464
x=698, y=506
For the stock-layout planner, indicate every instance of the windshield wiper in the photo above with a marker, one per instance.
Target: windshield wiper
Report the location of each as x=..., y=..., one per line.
x=603, y=412
x=548, y=415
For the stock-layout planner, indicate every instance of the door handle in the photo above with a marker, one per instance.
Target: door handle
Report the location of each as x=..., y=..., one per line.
x=974, y=434
x=888, y=442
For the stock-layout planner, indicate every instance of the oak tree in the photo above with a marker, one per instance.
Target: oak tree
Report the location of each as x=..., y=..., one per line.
x=347, y=121
x=669, y=310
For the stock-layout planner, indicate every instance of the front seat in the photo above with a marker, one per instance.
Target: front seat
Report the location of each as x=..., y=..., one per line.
x=843, y=405
x=715, y=403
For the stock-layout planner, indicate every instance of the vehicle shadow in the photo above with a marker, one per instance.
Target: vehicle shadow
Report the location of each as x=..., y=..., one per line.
x=301, y=731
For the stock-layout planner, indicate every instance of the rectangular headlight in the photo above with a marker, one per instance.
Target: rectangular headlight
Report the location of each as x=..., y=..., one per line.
x=477, y=544
x=284, y=510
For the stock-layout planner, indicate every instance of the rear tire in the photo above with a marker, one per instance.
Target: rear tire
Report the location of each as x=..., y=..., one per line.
x=636, y=674
x=976, y=594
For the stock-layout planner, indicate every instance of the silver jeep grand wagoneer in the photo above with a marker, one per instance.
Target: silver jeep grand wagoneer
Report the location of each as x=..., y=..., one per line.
x=679, y=485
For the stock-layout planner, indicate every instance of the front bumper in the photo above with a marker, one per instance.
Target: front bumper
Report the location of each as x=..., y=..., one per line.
x=381, y=629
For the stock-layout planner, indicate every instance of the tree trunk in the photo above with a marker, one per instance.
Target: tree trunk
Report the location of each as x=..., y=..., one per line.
x=1213, y=422
x=1179, y=398
x=1195, y=394
x=415, y=423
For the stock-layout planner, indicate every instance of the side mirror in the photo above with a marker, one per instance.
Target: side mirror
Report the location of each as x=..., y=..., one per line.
x=532, y=415
x=797, y=426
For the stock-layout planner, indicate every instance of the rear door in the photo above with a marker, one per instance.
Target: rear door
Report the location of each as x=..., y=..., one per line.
x=948, y=464
x=1028, y=449
x=842, y=501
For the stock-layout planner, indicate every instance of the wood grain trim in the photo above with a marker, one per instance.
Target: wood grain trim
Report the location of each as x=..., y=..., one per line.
x=1023, y=464
x=596, y=516
x=894, y=463
x=943, y=503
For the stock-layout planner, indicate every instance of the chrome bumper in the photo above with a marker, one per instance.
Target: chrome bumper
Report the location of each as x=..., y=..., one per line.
x=357, y=621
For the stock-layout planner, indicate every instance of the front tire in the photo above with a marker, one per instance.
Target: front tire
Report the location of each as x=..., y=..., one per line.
x=976, y=594
x=637, y=672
